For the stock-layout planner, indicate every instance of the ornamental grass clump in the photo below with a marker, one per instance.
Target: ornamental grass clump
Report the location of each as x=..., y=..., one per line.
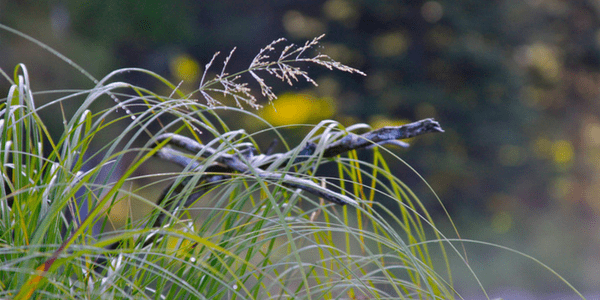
x=234, y=222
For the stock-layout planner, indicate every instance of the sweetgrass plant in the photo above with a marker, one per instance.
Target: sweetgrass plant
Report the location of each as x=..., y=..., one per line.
x=240, y=237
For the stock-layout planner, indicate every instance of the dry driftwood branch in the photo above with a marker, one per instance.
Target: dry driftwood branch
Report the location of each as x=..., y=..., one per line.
x=252, y=165
x=235, y=163
x=222, y=165
x=382, y=136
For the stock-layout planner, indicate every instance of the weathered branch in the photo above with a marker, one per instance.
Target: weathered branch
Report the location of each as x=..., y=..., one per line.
x=223, y=165
x=382, y=135
x=236, y=164
x=246, y=163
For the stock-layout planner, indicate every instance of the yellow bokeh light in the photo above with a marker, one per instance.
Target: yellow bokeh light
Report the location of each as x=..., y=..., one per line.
x=299, y=25
x=545, y=61
x=340, y=10
x=591, y=134
x=562, y=151
x=502, y=222
x=184, y=67
x=432, y=11
x=390, y=44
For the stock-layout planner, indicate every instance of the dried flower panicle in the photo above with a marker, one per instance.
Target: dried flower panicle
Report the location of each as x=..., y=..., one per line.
x=281, y=68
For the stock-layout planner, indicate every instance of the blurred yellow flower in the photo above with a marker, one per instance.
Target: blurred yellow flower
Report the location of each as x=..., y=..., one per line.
x=290, y=109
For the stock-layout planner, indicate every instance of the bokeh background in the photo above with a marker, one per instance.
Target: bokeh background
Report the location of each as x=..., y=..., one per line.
x=515, y=84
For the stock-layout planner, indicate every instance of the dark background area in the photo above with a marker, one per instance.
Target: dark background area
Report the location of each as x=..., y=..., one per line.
x=515, y=85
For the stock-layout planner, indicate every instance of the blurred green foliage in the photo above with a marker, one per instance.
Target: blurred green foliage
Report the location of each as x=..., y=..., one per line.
x=514, y=83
